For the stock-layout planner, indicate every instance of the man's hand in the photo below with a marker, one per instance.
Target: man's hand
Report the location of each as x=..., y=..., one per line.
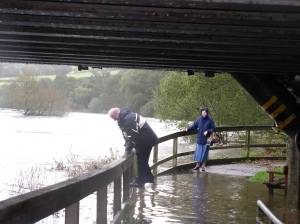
x=127, y=152
x=128, y=149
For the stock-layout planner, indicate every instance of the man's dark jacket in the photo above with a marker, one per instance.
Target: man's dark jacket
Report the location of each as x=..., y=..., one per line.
x=136, y=132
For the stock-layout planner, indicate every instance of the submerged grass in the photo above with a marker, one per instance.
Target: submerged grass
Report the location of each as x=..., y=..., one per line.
x=37, y=176
x=73, y=166
x=259, y=177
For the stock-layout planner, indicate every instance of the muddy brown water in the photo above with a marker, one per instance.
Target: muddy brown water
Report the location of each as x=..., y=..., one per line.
x=204, y=198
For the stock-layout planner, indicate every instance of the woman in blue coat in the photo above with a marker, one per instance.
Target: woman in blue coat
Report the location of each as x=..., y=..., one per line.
x=204, y=126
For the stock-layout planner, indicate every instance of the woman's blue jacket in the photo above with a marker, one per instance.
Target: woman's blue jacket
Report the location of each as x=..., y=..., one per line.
x=203, y=124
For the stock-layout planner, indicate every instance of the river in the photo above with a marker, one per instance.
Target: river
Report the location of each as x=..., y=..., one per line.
x=29, y=144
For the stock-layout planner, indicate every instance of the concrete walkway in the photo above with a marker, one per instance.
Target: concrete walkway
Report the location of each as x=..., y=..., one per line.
x=242, y=169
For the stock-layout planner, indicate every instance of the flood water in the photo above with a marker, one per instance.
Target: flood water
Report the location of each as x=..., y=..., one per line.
x=203, y=198
x=182, y=198
x=37, y=143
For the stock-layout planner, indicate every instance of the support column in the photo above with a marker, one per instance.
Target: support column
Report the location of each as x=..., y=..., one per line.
x=274, y=97
x=293, y=194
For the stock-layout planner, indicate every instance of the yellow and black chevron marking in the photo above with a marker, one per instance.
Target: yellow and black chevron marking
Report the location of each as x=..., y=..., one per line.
x=270, y=102
x=286, y=122
x=279, y=112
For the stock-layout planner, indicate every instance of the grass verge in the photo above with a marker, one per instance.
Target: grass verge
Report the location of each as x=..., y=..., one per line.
x=263, y=176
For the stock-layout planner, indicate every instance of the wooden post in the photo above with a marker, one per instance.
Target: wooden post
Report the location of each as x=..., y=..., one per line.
x=271, y=180
x=175, y=149
x=259, y=217
x=248, y=142
x=293, y=191
x=134, y=168
x=155, y=158
x=72, y=214
x=131, y=169
x=126, y=180
x=102, y=206
x=117, y=195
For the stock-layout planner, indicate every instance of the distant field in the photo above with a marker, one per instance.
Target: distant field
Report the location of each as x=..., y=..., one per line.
x=80, y=74
x=75, y=74
x=6, y=80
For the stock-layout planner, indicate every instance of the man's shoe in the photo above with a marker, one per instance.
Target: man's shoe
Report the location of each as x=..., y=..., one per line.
x=203, y=169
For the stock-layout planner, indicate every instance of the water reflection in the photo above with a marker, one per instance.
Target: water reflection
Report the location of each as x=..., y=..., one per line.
x=200, y=198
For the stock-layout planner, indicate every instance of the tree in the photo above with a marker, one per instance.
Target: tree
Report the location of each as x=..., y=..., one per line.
x=179, y=97
x=35, y=97
x=138, y=88
x=94, y=105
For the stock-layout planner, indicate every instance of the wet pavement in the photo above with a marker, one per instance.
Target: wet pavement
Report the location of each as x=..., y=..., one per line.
x=204, y=198
x=242, y=169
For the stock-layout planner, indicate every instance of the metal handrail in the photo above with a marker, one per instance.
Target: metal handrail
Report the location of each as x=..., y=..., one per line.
x=263, y=211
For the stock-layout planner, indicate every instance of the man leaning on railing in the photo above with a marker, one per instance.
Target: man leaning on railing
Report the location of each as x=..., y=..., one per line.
x=139, y=135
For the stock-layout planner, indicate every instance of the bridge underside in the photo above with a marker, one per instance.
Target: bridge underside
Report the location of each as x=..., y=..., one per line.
x=258, y=42
x=234, y=36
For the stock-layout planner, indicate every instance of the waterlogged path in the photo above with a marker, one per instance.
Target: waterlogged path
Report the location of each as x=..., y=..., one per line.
x=204, y=198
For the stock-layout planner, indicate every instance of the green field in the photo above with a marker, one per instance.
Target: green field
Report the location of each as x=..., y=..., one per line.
x=73, y=74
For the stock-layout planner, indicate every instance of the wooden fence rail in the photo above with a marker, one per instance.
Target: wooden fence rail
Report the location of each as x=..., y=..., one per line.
x=36, y=205
x=248, y=145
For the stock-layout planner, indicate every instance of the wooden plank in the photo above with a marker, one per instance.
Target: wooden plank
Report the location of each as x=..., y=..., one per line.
x=217, y=31
x=248, y=5
x=155, y=159
x=102, y=206
x=72, y=214
x=218, y=129
x=175, y=151
x=155, y=59
x=199, y=68
x=166, y=29
x=152, y=17
x=248, y=132
x=155, y=63
x=117, y=195
x=126, y=181
x=34, y=206
x=152, y=59
x=184, y=55
x=206, y=43
x=155, y=165
x=170, y=56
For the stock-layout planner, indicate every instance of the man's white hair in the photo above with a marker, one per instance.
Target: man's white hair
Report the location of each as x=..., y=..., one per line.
x=114, y=112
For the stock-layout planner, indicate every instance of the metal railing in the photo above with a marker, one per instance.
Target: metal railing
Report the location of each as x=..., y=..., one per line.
x=36, y=205
x=265, y=213
x=247, y=145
